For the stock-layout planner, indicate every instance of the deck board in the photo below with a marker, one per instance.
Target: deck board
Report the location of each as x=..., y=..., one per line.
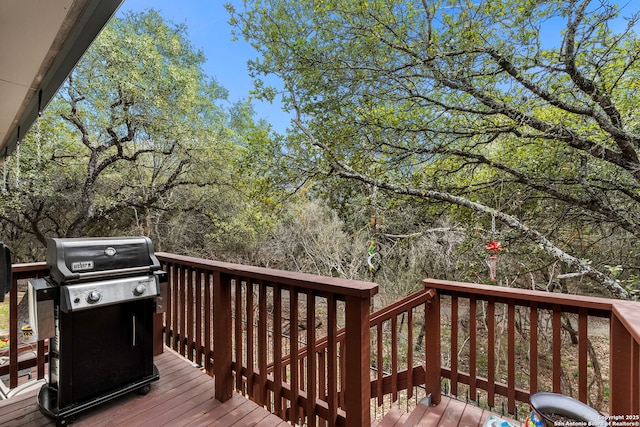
x=452, y=414
x=471, y=416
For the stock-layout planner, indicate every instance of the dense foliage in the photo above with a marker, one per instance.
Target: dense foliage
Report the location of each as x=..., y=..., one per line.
x=423, y=131
x=518, y=111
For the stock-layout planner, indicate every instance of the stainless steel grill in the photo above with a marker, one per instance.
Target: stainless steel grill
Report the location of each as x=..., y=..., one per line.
x=96, y=307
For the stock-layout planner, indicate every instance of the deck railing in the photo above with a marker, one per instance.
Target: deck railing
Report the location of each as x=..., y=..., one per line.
x=492, y=345
x=502, y=345
x=20, y=274
x=240, y=323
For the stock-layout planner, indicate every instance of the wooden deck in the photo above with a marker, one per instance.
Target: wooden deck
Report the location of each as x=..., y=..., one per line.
x=449, y=413
x=183, y=396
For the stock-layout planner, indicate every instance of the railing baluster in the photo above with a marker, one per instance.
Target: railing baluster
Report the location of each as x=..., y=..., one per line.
x=379, y=363
x=556, y=348
x=311, y=359
x=168, y=304
x=277, y=351
x=410, y=353
x=208, y=325
x=491, y=351
x=473, y=345
x=332, y=365
x=13, y=333
x=40, y=359
x=322, y=380
x=511, y=356
x=175, y=303
x=533, y=348
x=189, y=334
x=250, y=335
x=582, y=354
x=432, y=349
x=342, y=369
x=293, y=352
x=454, y=344
x=239, y=328
x=260, y=395
x=182, y=331
x=394, y=358
x=199, y=314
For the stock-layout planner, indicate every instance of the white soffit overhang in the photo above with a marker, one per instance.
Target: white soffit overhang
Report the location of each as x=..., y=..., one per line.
x=40, y=43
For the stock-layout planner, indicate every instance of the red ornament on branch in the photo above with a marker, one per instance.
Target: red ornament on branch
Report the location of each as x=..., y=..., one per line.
x=494, y=247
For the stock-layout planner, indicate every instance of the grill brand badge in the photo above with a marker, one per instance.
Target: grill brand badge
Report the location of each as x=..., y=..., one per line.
x=81, y=265
x=110, y=251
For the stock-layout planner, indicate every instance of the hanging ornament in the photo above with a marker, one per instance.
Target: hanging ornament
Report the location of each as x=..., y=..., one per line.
x=493, y=247
x=371, y=259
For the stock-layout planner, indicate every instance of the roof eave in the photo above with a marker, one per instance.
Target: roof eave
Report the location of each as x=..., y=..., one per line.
x=82, y=25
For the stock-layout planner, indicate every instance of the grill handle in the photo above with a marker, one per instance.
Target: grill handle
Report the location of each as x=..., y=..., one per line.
x=133, y=325
x=114, y=272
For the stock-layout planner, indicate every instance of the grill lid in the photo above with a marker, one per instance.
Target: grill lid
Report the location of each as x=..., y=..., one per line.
x=72, y=260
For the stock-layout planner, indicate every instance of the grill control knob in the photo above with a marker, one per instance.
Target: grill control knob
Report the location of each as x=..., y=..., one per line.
x=139, y=290
x=93, y=297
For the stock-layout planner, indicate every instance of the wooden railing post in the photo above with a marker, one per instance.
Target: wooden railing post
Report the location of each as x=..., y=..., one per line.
x=623, y=358
x=358, y=363
x=620, y=367
x=222, y=341
x=432, y=349
x=13, y=332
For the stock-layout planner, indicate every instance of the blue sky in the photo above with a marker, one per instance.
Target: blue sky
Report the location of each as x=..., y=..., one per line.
x=207, y=27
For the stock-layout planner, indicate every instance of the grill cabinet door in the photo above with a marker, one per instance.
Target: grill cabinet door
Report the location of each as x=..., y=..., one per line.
x=104, y=348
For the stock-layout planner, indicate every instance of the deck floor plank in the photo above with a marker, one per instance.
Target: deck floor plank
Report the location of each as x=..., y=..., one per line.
x=431, y=417
x=416, y=415
x=471, y=416
x=452, y=414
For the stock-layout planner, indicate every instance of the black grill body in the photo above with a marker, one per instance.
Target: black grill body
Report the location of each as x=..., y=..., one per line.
x=103, y=293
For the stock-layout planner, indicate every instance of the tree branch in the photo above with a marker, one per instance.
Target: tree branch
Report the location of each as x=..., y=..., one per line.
x=342, y=169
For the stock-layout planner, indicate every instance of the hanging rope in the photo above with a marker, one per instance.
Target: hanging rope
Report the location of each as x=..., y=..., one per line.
x=18, y=158
x=37, y=128
x=4, y=171
x=373, y=257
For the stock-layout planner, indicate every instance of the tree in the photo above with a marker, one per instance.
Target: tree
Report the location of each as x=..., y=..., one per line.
x=445, y=101
x=134, y=141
